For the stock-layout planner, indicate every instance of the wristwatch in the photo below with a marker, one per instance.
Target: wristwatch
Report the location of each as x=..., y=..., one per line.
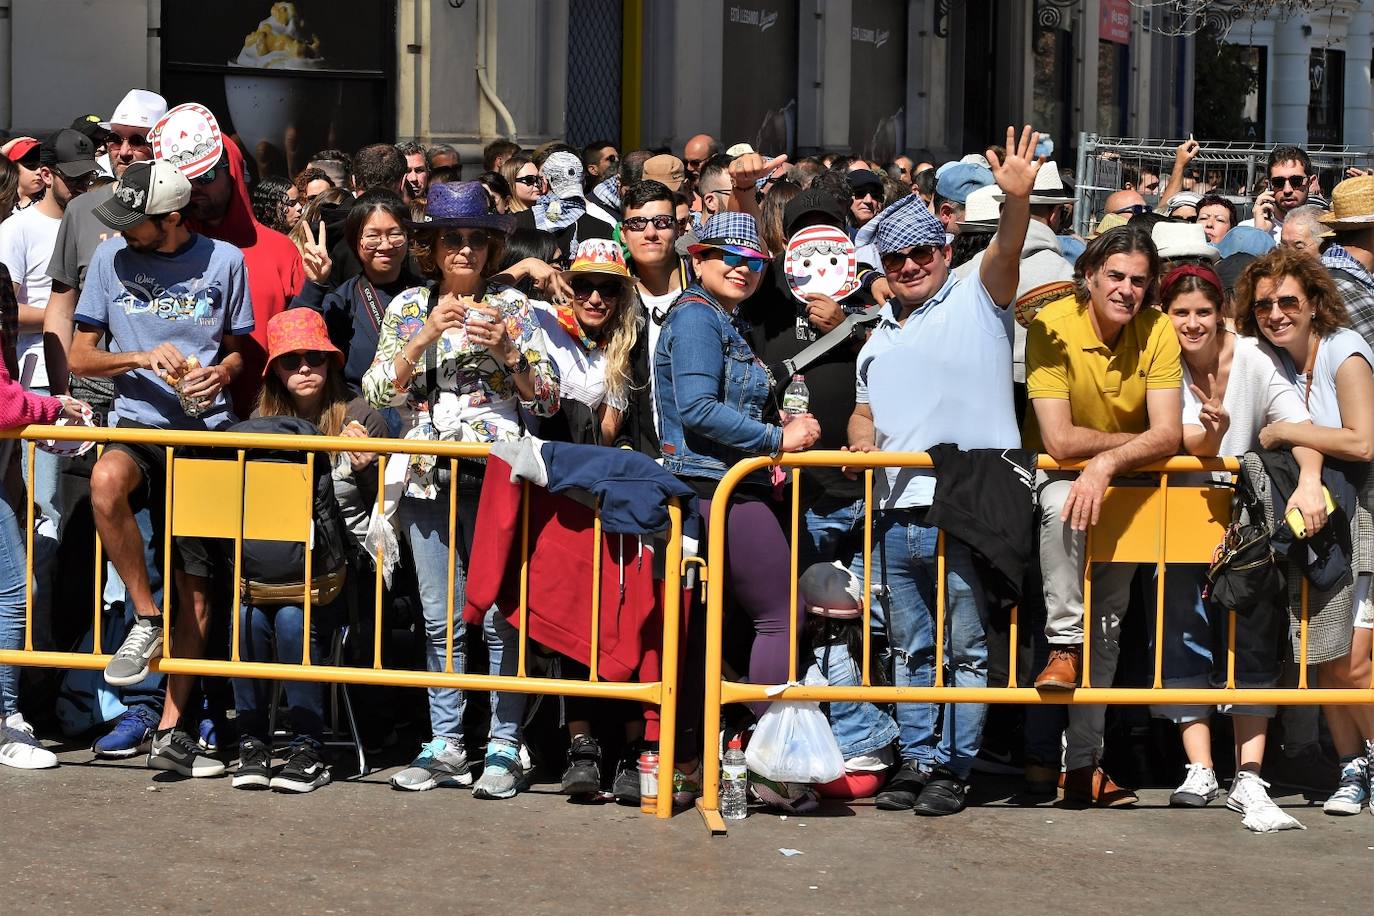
x=521, y=367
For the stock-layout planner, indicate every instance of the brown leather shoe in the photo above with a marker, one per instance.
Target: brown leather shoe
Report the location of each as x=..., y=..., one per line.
x=1062, y=671
x=1093, y=787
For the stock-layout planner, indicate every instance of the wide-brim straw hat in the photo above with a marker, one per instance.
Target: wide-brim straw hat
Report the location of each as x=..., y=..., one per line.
x=1352, y=204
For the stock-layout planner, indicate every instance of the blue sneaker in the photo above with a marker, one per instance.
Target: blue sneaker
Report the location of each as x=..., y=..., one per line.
x=130, y=735
x=209, y=734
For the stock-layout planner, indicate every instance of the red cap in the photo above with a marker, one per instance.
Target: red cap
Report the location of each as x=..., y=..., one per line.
x=735, y=743
x=19, y=148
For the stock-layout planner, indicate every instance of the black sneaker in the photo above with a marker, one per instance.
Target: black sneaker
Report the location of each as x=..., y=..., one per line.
x=305, y=770
x=902, y=789
x=625, y=786
x=944, y=794
x=178, y=752
x=255, y=765
x=583, y=775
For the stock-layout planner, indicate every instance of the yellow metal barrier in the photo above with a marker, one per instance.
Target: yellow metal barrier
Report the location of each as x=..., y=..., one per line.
x=234, y=500
x=1161, y=524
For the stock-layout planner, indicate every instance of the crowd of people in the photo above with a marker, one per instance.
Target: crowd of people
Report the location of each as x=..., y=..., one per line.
x=579, y=310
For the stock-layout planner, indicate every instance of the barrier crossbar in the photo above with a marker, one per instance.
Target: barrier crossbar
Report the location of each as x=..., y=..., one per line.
x=238, y=499
x=1168, y=523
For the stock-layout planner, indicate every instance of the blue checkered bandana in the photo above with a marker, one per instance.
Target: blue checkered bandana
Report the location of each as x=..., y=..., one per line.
x=905, y=223
x=732, y=231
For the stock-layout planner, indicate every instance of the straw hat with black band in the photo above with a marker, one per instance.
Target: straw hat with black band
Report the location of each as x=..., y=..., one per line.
x=1352, y=205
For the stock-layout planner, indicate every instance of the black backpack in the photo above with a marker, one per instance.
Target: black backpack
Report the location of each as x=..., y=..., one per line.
x=274, y=571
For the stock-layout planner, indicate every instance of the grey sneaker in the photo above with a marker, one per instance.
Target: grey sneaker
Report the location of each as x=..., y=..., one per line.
x=1198, y=788
x=178, y=752
x=502, y=773
x=438, y=764
x=142, y=645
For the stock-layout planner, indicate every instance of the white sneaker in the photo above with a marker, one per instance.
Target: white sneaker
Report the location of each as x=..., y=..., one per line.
x=1198, y=788
x=20, y=749
x=1249, y=797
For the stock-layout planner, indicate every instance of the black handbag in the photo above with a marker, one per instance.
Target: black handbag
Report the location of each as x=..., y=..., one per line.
x=1245, y=572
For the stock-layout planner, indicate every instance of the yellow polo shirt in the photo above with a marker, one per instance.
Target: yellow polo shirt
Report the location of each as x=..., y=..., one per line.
x=1105, y=386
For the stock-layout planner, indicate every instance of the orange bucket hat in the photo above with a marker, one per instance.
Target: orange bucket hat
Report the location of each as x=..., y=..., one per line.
x=297, y=330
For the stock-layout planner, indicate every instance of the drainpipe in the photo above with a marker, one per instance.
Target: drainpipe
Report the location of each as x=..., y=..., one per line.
x=486, y=38
x=6, y=87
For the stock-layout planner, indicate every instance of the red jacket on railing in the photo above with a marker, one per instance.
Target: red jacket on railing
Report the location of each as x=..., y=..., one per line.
x=560, y=578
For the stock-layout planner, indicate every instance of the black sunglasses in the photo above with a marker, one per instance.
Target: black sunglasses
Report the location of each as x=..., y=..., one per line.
x=1133, y=209
x=312, y=358
x=660, y=222
x=1296, y=182
x=582, y=289
x=529, y=181
x=477, y=239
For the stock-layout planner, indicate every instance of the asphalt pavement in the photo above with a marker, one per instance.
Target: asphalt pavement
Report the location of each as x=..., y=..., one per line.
x=100, y=836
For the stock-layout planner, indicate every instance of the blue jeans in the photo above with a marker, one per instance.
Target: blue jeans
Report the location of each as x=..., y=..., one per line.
x=425, y=523
x=262, y=628
x=859, y=728
x=832, y=530
x=1195, y=641
x=904, y=562
x=12, y=567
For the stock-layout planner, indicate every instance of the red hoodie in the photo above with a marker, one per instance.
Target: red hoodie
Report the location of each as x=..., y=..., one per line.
x=275, y=275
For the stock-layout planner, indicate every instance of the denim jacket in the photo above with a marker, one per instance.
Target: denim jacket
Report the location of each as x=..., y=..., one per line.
x=711, y=391
x=859, y=728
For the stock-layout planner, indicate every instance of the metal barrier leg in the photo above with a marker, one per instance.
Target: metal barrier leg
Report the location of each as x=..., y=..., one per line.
x=709, y=804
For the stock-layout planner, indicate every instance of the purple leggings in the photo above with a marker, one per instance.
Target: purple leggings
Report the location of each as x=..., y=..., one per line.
x=758, y=567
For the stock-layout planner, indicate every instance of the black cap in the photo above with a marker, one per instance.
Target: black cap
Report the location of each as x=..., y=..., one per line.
x=812, y=200
x=69, y=151
x=90, y=126
x=863, y=178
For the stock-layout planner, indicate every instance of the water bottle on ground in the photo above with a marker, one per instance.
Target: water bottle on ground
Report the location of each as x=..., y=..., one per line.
x=734, y=783
x=796, y=399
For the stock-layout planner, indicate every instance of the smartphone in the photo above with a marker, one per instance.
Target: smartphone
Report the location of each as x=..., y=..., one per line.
x=1294, y=518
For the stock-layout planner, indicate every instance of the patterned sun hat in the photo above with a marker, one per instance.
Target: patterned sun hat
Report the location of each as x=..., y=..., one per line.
x=599, y=256
x=296, y=331
x=735, y=232
x=902, y=224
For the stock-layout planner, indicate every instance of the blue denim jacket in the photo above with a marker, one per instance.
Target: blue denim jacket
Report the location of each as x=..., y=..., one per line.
x=711, y=391
x=859, y=728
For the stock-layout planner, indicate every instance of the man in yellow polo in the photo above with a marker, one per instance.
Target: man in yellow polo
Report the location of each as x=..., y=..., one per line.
x=1103, y=377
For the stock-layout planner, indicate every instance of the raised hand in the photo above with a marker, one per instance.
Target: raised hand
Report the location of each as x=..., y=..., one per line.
x=1213, y=413
x=750, y=167
x=315, y=255
x=1016, y=174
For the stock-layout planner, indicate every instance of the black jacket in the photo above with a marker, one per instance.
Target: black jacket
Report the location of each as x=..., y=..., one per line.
x=986, y=499
x=1325, y=557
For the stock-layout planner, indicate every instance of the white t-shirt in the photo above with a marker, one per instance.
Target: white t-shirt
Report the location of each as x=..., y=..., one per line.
x=581, y=372
x=657, y=307
x=1257, y=394
x=1334, y=350
x=27, y=240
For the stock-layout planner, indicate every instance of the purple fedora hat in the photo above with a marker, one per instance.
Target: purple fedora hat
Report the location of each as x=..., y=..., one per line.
x=461, y=205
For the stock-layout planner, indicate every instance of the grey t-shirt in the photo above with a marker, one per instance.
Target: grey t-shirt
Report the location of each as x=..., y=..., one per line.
x=190, y=298
x=78, y=237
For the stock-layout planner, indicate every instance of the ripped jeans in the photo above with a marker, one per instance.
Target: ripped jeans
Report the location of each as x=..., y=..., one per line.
x=904, y=563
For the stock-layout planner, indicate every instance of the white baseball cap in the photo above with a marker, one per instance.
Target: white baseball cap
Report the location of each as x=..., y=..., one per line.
x=139, y=108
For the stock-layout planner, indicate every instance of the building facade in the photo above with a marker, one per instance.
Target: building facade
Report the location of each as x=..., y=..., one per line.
x=935, y=78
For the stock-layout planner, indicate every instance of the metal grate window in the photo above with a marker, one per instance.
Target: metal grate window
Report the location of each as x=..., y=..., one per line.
x=594, y=49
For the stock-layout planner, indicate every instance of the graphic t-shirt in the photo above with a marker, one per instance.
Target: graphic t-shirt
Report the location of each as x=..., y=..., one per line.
x=190, y=298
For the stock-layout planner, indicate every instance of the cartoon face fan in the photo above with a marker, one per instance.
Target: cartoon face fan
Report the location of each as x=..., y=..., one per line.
x=821, y=259
x=188, y=136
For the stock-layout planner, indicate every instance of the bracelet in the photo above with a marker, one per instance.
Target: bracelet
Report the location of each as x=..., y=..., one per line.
x=409, y=362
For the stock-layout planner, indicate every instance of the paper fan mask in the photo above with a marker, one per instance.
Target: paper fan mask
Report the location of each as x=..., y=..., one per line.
x=188, y=137
x=1029, y=305
x=821, y=259
x=69, y=448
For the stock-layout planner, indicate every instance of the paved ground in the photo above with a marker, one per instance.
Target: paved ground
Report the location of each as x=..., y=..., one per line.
x=100, y=837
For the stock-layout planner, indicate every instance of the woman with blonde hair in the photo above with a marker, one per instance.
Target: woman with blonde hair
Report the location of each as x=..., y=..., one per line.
x=522, y=175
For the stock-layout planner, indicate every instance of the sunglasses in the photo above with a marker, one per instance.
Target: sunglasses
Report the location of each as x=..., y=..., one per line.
x=861, y=193
x=582, y=289
x=612, y=160
x=732, y=260
x=1133, y=209
x=640, y=223
x=312, y=358
x=476, y=239
x=208, y=177
x=529, y=181
x=1289, y=305
x=894, y=261
x=115, y=141
x=80, y=182
x=1296, y=182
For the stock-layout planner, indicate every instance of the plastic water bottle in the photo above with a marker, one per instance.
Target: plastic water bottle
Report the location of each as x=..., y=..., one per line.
x=734, y=783
x=796, y=399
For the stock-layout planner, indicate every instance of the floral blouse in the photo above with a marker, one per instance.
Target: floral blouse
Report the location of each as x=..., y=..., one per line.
x=474, y=397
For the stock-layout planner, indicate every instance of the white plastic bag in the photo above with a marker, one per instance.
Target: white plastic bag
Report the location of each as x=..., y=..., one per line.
x=793, y=743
